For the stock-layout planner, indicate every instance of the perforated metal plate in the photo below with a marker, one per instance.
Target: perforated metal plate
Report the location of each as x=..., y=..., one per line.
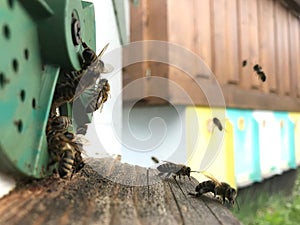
x=27, y=80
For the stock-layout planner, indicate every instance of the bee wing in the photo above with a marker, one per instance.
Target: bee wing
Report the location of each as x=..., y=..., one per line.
x=88, y=80
x=102, y=51
x=108, y=68
x=210, y=176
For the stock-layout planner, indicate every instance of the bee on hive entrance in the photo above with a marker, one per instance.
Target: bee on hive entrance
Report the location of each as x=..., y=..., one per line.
x=74, y=83
x=93, y=66
x=99, y=96
x=58, y=124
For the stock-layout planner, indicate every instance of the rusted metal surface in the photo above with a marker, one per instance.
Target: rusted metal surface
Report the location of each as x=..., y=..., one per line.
x=91, y=198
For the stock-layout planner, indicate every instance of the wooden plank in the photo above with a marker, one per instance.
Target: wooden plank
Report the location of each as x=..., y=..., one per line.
x=203, y=39
x=92, y=197
x=294, y=49
x=181, y=29
x=225, y=41
x=244, y=41
x=254, y=99
x=235, y=97
x=254, y=56
x=295, y=58
x=267, y=43
x=282, y=50
x=297, y=61
x=147, y=22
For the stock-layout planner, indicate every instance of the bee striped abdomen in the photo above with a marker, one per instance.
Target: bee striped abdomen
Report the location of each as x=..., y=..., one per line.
x=66, y=163
x=205, y=187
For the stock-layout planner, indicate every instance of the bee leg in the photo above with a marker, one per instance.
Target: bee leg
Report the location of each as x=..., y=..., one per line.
x=196, y=195
x=193, y=194
x=223, y=198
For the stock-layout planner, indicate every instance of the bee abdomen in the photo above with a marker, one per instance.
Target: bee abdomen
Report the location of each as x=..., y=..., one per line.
x=66, y=163
x=206, y=186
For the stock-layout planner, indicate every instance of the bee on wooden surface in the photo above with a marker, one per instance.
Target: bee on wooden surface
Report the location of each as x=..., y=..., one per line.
x=99, y=96
x=67, y=160
x=221, y=189
x=65, y=150
x=169, y=168
x=258, y=69
x=70, y=162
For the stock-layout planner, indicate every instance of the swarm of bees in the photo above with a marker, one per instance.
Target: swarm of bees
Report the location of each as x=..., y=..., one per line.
x=65, y=148
x=219, y=189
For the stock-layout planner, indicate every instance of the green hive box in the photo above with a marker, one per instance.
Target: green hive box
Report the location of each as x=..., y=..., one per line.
x=36, y=41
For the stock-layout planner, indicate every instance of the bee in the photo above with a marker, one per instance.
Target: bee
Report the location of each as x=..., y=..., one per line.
x=66, y=151
x=93, y=66
x=70, y=162
x=67, y=160
x=74, y=83
x=100, y=96
x=170, y=168
x=58, y=124
x=65, y=89
x=218, y=123
x=221, y=189
x=258, y=69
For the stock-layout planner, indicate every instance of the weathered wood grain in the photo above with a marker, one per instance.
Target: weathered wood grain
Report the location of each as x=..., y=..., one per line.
x=96, y=196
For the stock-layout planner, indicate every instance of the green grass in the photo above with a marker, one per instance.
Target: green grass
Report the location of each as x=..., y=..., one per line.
x=272, y=210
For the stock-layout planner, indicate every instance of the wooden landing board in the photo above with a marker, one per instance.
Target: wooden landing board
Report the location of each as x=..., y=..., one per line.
x=93, y=198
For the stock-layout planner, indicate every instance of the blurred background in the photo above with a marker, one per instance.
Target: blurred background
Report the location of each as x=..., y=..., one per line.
x=258, y=151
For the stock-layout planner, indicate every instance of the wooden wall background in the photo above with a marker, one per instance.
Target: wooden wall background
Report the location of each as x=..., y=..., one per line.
x=224, y=33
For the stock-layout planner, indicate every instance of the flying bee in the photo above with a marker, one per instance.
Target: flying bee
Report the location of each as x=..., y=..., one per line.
x=100, y=96
x=218, y=123
x=174, y=169
x=222, y=189
x=258, y=69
